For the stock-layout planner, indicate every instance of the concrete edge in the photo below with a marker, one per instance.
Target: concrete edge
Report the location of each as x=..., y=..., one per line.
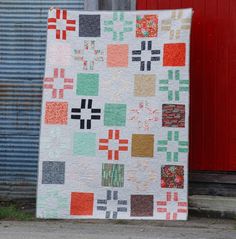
x=212, y=206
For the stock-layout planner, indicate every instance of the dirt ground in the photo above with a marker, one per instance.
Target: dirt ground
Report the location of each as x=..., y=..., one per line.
x=200, y=228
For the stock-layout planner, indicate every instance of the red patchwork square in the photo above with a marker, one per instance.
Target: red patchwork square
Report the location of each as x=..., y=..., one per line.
x=174, y=54
x=81, y=204
x=56, y=113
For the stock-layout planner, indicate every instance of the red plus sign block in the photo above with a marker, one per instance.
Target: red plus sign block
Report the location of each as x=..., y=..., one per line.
x=50, y=82
x=113, y=135
x=166, y=206
x=61, y=24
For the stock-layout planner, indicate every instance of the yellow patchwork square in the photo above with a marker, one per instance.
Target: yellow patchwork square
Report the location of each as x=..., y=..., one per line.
x=142, y=145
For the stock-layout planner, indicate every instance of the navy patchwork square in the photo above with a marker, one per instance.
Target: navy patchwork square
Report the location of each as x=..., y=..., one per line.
x=89, y=26
x=53, y=172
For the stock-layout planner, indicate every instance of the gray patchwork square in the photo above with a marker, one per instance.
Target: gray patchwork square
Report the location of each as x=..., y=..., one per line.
x=53, y=172
x=89, y=25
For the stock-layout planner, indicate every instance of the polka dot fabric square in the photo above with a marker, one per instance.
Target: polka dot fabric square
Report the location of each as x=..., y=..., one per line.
x=115, y=111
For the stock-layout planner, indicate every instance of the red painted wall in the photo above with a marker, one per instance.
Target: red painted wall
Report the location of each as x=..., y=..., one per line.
x=213, y=81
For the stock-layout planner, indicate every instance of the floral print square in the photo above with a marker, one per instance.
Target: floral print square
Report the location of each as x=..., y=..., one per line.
x=172, y=176
x=146, y=26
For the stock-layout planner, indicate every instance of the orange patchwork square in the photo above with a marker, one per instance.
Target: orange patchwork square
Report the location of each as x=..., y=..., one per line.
x=81, y=204
x=117, y=55
x=174, y=54
x=56, y=113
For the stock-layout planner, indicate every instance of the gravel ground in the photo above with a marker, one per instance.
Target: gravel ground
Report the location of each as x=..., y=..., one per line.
x=200, y=228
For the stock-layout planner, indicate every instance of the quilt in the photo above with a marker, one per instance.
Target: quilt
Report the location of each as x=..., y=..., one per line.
x=115, y=114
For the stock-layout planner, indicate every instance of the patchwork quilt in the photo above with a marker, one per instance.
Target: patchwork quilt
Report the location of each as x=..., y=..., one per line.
x=114, y=125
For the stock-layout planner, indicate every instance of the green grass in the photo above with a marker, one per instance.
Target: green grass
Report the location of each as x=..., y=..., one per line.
x=11, y=212
x=121, y=222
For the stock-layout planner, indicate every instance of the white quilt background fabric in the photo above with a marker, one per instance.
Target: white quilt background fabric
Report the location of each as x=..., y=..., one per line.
x=115, y=115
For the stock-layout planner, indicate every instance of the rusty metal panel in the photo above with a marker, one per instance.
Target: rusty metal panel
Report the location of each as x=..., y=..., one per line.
x=23, y=26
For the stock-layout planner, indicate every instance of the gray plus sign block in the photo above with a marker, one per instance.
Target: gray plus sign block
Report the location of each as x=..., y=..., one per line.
x=89, y=25
x=53, y=172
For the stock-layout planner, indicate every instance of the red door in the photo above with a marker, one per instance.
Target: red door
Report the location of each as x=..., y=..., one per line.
x=213, y=81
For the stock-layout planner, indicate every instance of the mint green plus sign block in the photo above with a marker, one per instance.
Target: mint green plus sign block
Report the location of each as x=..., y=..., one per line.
x=115, y=115
x=164, y=147
x=87, y=84
x=84, y=144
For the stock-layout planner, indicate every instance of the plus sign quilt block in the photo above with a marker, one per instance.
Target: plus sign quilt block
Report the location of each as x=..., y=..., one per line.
x=115, y=114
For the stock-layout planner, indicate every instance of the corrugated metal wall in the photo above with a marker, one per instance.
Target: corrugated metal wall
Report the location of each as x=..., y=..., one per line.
x=117, y=4
x=23, y=25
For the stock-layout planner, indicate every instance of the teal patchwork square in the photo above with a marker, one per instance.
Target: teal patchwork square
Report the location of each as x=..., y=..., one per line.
x=84, y=144
x=87, y=84
x=115, y=115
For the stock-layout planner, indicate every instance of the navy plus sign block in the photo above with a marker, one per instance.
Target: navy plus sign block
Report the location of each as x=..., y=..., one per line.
x=138, y=54
x=95, y=114
x=89, y=26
